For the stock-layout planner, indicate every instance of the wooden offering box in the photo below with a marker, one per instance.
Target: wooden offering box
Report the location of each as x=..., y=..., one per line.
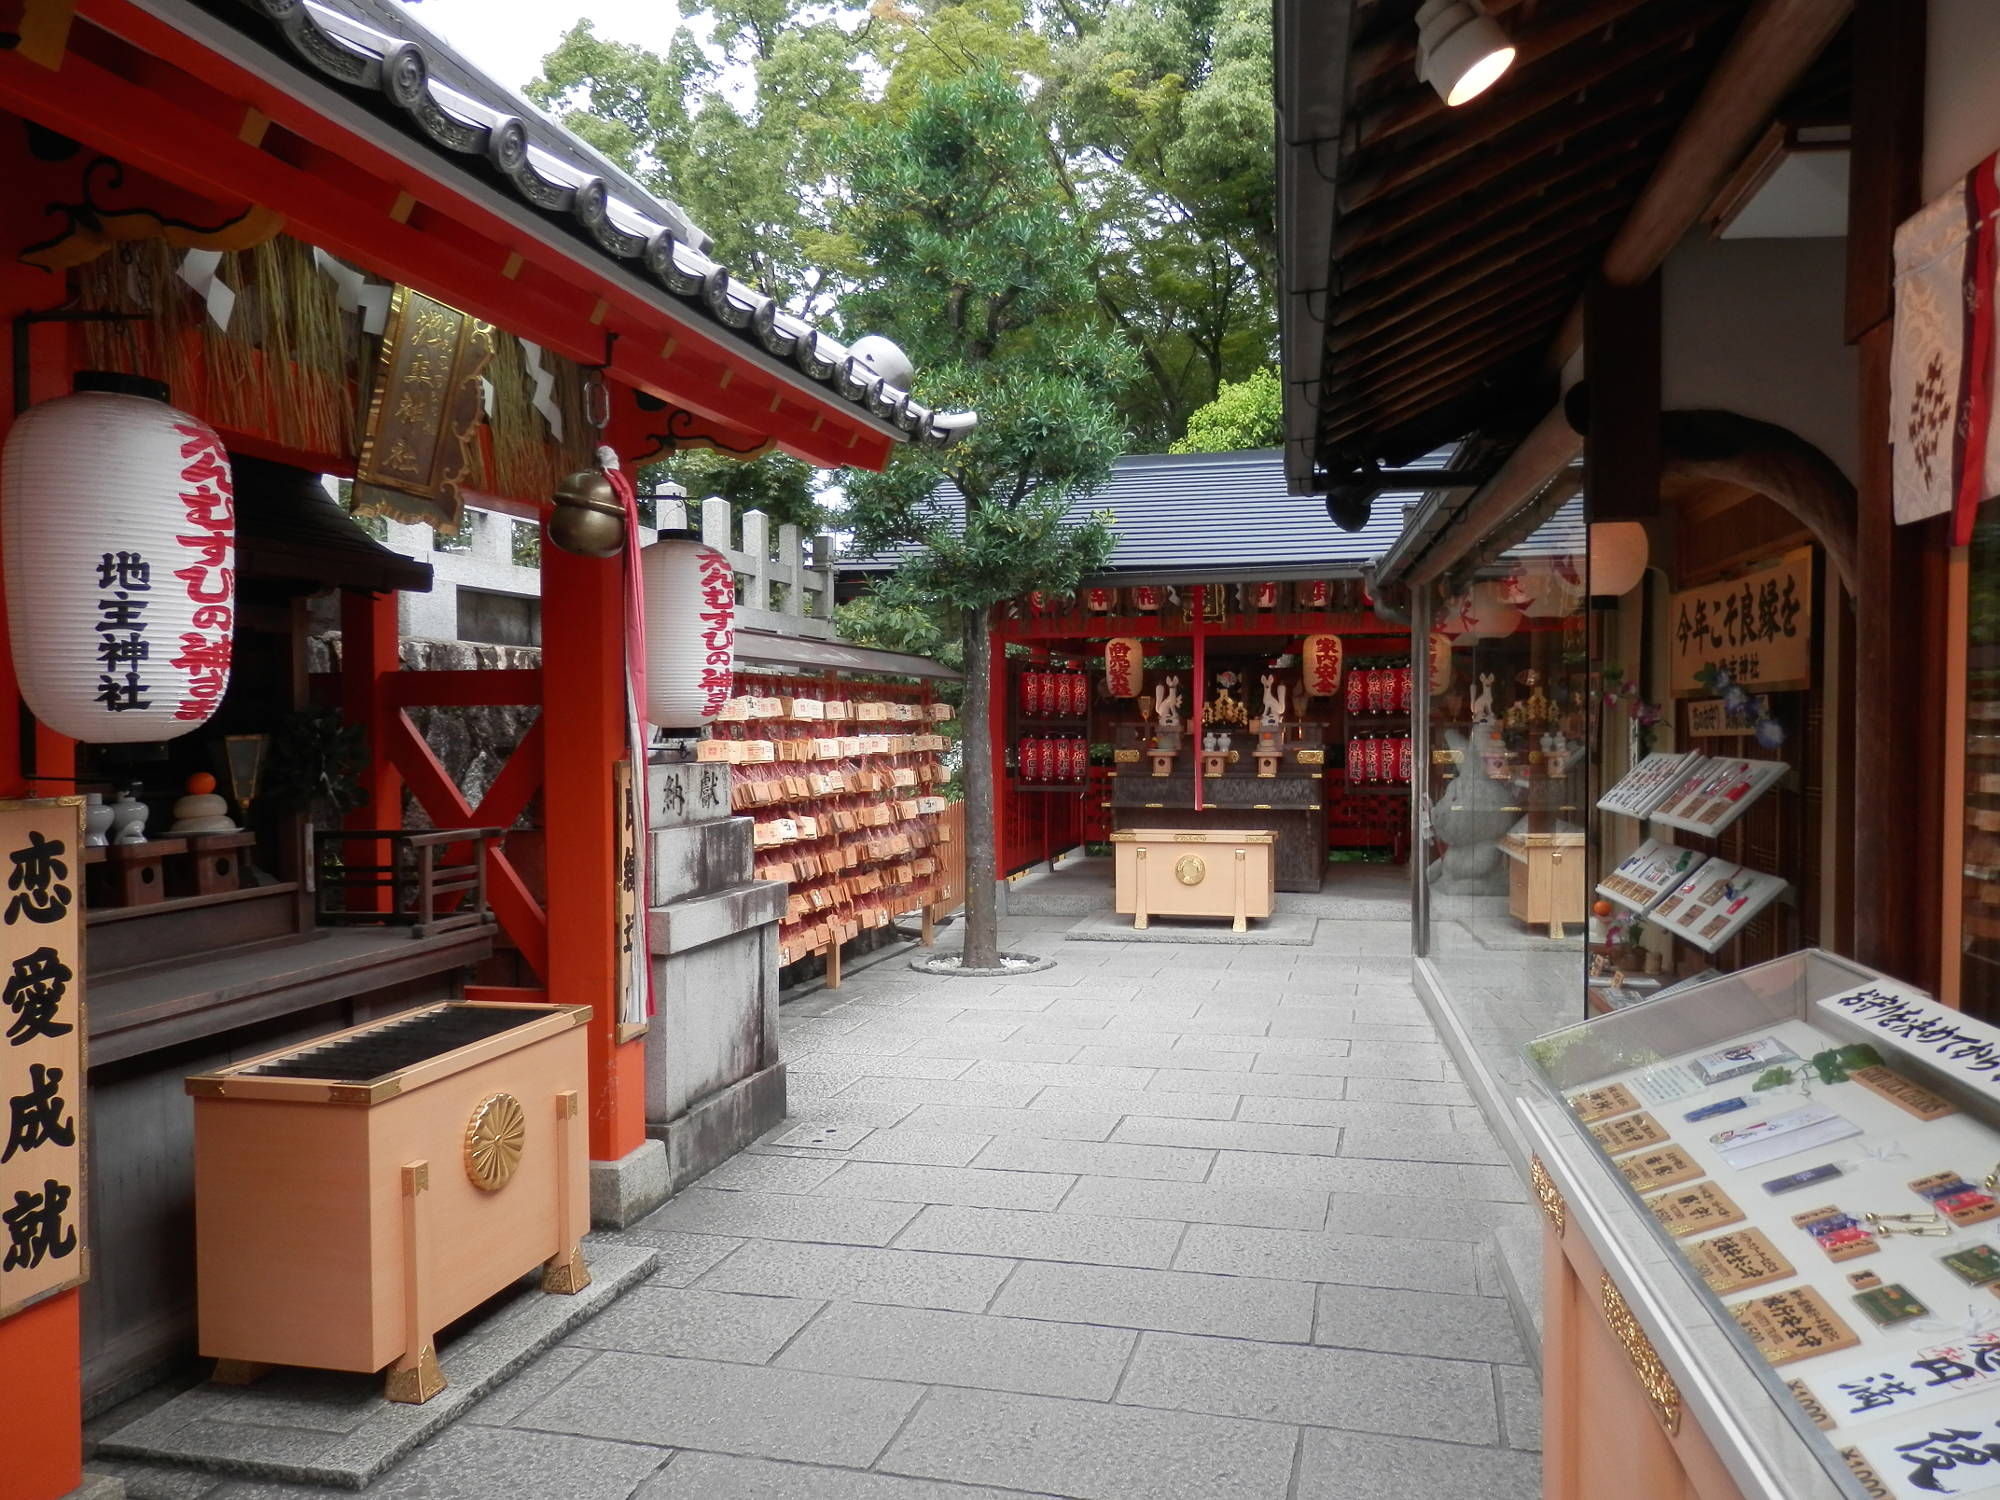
x=355, y=1195
x=1190, y=872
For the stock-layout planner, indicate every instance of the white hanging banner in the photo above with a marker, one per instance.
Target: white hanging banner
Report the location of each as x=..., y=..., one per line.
x=1941, y=374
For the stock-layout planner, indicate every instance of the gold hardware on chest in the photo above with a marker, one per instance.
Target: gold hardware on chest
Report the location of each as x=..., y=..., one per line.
x=1549, y=1195
x=1190, y=869
x=1646, y=1363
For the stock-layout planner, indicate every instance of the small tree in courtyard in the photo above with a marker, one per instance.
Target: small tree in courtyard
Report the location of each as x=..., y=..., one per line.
x=968, y=258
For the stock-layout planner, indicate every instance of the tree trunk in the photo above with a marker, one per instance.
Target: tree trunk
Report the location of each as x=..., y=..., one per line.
x=982, y=916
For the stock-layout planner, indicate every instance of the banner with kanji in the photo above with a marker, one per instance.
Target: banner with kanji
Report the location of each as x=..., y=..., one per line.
x=41, y=1050
x=1941, y=368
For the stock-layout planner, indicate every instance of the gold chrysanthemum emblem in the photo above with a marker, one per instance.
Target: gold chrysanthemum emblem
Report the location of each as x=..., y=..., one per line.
x=493, y=1141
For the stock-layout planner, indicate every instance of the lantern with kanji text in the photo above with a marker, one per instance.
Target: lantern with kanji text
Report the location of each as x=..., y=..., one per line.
x=1124, y=667
x=119, y=517
x=1321, y=659
x=690, y=593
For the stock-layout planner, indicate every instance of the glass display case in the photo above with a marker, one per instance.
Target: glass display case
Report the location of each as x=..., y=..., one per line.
x=1790, y=1177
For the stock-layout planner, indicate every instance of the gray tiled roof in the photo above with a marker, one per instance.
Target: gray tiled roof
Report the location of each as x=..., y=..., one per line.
x=384, y=60
x=1179, y=516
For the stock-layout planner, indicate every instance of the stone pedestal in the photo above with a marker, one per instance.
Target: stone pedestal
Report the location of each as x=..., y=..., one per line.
x=714, y=1082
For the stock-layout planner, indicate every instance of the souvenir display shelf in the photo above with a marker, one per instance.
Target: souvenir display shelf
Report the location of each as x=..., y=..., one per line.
x=1703, y=900
x=1608, y=1108
x=843, y=783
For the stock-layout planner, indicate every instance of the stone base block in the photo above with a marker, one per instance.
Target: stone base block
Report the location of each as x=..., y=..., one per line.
x=715, y=1128
x=624, y=1191
x=98, y=1487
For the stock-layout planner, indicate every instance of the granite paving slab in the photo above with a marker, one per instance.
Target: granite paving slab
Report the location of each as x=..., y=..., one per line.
x=313, y=1427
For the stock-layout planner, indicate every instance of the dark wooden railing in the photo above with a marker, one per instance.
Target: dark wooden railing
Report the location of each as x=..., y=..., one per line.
x=431, y=882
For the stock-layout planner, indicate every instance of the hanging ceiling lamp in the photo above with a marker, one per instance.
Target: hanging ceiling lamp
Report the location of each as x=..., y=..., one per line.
x=1461, y=50
x=1617, y=557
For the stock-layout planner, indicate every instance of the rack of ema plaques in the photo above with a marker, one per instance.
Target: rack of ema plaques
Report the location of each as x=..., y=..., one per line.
x=355, y=1195
x=1772, y=1254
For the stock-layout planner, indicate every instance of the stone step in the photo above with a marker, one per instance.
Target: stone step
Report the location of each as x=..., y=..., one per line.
x=699, y=859
x=701, y=920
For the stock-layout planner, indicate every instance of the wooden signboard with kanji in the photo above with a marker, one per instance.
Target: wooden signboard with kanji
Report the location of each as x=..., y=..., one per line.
x=1757, y=627
x=41, y=1051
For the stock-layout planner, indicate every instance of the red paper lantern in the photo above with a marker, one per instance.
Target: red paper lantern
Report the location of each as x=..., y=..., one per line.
x=1031, y=760
x=1313, y=595
x=1322, y=658
x=1124, y=667
x=1031, y=693
x=1099, y=601
x=1145, y=599
x=1265, y=596
x=1357, y=692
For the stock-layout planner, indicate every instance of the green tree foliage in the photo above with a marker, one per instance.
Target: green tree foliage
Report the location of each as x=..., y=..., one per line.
x=1155, y=117
x=1248, y=413
x=973, y=265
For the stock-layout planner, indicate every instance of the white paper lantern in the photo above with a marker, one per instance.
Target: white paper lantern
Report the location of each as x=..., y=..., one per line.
x=1617, y=557
x=118, y=516
x=690, y=632
x=1488, y=614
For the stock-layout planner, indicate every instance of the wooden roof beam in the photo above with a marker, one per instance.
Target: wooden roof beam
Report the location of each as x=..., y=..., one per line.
x=1465, y=347
x=1587, y=202
x=1382, y=400
x=1550, y=445
x=1501, y=317
x=1532, y=44
x=1770, y=53
x=1409, y=300
x=1551, y=284
x=1481, y=122
x=1604, y=131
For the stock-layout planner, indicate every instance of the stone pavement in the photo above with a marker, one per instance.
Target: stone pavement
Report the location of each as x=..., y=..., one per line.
x=1161, y=1223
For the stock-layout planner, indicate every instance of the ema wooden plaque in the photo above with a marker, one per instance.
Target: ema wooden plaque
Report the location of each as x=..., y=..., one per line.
x=1739, y=1260
x=1691, y=1210
x=1629, y=1133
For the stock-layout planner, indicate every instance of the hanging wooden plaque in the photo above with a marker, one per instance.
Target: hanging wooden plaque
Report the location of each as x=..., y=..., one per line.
x=424, y=413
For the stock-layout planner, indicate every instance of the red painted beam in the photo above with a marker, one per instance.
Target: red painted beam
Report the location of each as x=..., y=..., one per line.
x=513, y=903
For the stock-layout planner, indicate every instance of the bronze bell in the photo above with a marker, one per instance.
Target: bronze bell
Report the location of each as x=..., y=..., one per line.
x=587, y=519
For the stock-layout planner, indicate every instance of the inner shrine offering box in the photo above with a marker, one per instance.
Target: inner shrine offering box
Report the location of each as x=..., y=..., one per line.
x=1193, y=872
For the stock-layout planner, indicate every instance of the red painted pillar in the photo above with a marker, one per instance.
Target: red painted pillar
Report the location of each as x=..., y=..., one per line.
x=583, y=724
x=996, y=734
x=1197, y=690
x=370, y=653
x=41, y=1359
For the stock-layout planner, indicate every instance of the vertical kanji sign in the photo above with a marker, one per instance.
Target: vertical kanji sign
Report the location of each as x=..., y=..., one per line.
x=41, y=1050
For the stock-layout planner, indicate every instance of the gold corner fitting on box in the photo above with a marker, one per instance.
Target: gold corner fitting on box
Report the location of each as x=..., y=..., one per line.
x=566, y=1275
x=415, y=1386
